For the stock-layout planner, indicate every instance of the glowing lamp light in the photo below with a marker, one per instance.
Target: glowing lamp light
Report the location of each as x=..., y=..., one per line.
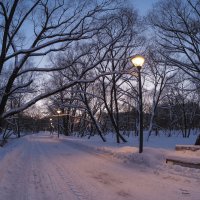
x=138, y=61
x=58, y=111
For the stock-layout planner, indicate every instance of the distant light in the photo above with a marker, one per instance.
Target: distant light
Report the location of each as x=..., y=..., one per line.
x=58, y=111
x=138, y=61
x=50, y=119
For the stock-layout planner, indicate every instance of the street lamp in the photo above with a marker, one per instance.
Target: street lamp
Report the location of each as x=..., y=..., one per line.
x=51, y=125
x=138, y=62
x=58, y=111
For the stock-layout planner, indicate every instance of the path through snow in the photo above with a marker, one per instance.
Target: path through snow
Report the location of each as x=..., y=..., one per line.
x=42, y=167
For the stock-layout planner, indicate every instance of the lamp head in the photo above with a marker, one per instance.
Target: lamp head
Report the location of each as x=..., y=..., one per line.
x=137, y=61
x=58, y=111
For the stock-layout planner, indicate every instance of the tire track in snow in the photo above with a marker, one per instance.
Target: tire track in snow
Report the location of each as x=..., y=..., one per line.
x=94, y=165
x=58, y=172
x=44, y=186
x=69, y=182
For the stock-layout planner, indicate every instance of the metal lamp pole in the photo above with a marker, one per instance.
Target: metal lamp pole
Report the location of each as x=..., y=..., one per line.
x=138, y=61
x=51, y=124
x=58, y=111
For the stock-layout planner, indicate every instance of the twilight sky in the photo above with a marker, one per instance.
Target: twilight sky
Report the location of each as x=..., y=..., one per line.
x=143, y=5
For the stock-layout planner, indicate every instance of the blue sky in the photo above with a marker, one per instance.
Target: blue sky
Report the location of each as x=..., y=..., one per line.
x=143, y=5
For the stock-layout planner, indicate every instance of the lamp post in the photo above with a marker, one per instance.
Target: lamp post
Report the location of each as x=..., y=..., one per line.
x=58, y=111
x=138, y=62
x=51, y=126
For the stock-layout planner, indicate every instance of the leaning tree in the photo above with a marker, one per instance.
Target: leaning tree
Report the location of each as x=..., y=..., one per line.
x=29, y=30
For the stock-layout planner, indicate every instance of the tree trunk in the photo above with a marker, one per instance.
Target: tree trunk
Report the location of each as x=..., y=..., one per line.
x=197, y=140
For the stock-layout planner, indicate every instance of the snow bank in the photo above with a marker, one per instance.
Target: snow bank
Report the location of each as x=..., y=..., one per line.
x=156, y=149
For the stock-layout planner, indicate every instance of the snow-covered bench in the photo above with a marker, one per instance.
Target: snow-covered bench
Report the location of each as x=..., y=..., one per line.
x=192, y=163
x=187, y=147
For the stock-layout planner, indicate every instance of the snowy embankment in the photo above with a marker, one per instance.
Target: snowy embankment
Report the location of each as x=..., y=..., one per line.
x=156, y=149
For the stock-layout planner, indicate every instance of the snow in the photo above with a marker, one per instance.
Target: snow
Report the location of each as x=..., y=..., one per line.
x=44, y=167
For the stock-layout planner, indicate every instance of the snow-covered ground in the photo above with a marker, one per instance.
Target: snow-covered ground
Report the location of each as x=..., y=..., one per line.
x=43, y=167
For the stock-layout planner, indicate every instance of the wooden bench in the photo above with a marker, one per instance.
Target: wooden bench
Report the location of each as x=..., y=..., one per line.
x=187, y=147
x=183, y=163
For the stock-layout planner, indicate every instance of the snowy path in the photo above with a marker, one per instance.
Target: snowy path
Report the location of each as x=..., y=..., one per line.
x=45, y=168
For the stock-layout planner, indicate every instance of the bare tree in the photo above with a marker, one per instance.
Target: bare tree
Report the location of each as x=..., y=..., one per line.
x=31, y=29
x=80, y=97
x=177, y=27
x=86, y=98
x=185, y=104
x=159, y=75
